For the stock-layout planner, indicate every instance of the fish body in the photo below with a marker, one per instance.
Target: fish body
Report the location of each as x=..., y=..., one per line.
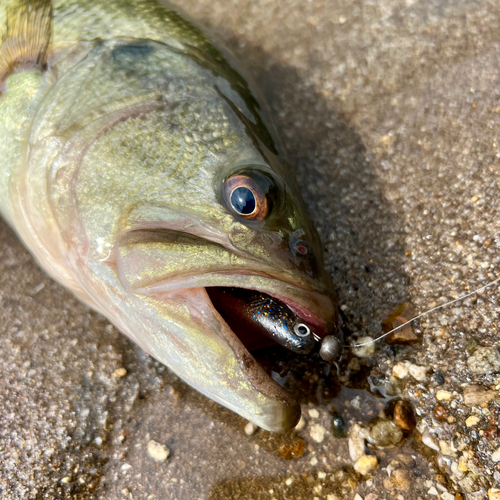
x=139, y=169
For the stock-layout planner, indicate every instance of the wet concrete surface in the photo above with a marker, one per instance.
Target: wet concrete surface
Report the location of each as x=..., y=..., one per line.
x=391, y=112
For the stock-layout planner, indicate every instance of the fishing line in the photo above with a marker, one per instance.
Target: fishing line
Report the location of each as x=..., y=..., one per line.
x=478, y=290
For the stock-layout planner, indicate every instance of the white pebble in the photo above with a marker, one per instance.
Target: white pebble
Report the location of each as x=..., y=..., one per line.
x=356, y=443
x=366, y=464
x=313, y=413
x=428, y=441
x=443, y=395
x=317, y=432
x=250, y=428
x=158, y=452
x=313, y=461
x=417, y=372
x=472, y=421
x=366, y=347
x=495, y=456
x=400, y=370
x=119, y=373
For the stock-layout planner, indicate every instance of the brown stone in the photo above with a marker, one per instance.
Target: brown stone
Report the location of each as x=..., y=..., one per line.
x=440, y=413
x=292, y=451
x=401, y=480
x=401, y=315
x=475, y=395
x=403, y=416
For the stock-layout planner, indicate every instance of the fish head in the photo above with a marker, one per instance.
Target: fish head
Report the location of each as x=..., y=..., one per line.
x=165, y=181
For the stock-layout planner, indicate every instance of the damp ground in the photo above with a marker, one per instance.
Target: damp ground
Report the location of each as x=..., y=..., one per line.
x=391, y=112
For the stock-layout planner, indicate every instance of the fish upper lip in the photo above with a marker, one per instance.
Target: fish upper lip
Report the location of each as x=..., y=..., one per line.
x=140, y=269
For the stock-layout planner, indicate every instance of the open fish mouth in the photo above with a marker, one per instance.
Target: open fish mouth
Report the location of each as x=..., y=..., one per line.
x=179, y=324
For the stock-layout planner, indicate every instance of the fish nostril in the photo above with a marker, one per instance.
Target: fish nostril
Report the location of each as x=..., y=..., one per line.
x=301, y=248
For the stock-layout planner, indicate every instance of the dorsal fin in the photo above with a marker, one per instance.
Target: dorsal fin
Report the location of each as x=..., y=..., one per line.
x=26, y=36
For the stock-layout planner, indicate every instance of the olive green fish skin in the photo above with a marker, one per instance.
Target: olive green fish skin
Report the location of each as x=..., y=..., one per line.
x=115, y=162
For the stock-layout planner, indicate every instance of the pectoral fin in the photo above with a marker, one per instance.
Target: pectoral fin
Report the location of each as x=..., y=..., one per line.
x=26, y=36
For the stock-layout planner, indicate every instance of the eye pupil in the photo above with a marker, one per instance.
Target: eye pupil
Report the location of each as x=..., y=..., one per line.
x=301, y=330
x=243, y=200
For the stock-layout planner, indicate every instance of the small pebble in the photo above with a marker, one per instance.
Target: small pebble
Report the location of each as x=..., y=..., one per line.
x=313, y=413
x=440, y=413
x=366, y=350
x=403, y=416
x=66, y=480
x=339, y=426
x=356, y=442
x=494, y=494
x=292, y=451
x=438, y=378
x=472, y=421
x=366, y=464
x=428, y=441
x=317, y=432
x=443, y=395
x=495, y=456
x=401, y=480
x=475, y=395
x=250, y=428
x=158, y=452
x=446, y=449
x=405, y=335
x=491, y=432
x=401, y=370
x=119, y=373
x=385, y=433
x=462, y=464
x=418, y=372
x=484, y=361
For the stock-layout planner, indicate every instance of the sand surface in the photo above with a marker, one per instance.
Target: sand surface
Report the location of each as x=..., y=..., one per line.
x=391, y=111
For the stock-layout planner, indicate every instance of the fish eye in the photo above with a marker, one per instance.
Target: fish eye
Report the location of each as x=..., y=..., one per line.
x=243, y=200
x=247, y=197
x=301, y=330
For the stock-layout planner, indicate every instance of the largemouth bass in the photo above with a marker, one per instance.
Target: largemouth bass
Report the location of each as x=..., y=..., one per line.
x=139, y=169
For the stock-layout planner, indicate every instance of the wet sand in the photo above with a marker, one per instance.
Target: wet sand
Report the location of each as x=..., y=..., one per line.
x=391, y=112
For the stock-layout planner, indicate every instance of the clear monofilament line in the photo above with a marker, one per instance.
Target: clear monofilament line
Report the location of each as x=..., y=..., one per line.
x=428, y=312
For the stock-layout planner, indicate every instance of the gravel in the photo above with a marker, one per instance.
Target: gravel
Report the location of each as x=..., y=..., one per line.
x=390, y=110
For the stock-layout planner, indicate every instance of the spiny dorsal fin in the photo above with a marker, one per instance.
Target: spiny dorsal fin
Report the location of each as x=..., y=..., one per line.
x=26, y=36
